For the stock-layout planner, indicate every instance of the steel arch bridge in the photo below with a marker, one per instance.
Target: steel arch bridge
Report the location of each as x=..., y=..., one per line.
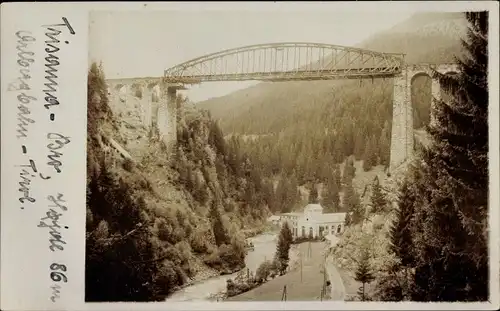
x=287, y=62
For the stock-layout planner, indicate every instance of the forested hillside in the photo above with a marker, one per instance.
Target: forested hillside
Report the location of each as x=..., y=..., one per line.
x=305, y=128
x=158, y=223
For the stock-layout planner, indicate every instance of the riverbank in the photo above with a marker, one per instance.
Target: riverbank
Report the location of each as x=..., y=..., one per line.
x=208, y=285
x=302, y=283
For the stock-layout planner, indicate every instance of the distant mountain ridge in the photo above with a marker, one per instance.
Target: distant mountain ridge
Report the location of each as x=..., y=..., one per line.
x=413, y=37
x=303, y=129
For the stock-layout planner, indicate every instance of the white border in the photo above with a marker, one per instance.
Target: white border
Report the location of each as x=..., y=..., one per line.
x=16, y=295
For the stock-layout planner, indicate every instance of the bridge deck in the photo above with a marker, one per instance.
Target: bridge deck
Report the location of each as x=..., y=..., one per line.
x=364, y=73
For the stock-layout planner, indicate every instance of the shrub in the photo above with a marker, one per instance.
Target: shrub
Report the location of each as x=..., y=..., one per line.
x=213, y=260
x=184, y=250
x=264, y=271
x=168, y=278
x=174, y=255
x=231, y=256
x=198, y=242
x=128, y=165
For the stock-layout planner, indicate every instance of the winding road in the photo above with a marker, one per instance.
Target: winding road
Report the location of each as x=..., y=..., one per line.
x=338, y=289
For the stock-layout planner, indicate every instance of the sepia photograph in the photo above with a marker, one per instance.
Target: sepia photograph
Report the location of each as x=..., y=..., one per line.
x=287, y=156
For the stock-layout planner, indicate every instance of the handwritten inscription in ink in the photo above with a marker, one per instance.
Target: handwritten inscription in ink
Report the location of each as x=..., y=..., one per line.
x=28, y=172
x=52, y=216
x=52, y=61
x=57, y=277
x=51, y=222
x=25, y=58
x=57, y=142
x=23, y=114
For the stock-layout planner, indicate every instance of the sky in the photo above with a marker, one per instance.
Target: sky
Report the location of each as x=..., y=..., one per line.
x=146, y=42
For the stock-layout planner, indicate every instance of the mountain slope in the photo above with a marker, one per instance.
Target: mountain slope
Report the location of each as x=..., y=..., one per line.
x=157, y=221
x=412, y=37
x=324, y=121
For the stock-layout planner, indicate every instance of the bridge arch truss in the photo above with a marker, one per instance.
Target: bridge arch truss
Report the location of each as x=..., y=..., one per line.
x=287, y=62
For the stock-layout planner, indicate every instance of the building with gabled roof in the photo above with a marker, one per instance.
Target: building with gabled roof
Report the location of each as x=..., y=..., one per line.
x=313, y=222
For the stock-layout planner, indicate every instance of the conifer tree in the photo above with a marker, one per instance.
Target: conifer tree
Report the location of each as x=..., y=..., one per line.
x=352, y=205
x=453, y=264
x=330, y=197
x=349, y=171
x=283, y=248
x=370, y=156
x=216, y=138
x=364, y=272
x=385, y=144
x=378, y=201
x=337, y=178
x=218, y=228
x=313, y=195
x=400, y=233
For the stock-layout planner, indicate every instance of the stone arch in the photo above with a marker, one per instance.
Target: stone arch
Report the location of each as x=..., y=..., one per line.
x=403, y=134
x=154, y=89
x=152, y=85
x=123, y=91
x=420, y=96
x=137, y=89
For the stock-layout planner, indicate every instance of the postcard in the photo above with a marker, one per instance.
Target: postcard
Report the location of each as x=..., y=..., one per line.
x=275, y=155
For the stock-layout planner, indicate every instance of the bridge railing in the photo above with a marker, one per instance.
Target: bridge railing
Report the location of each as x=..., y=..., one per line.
x=286, y=61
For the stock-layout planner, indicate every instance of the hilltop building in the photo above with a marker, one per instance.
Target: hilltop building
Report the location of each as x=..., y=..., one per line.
x=313, y=222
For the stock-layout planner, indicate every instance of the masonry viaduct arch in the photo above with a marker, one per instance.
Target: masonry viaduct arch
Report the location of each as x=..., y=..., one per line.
x=285, y=62
x=402, y=139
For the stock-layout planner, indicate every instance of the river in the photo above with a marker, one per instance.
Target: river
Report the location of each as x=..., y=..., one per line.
x=264, y=248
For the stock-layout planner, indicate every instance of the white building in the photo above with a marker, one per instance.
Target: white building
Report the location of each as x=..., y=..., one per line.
x=313, y=222
x=274, y=219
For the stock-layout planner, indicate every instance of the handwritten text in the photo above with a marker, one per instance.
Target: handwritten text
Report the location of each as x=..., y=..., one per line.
x=56, y=277
x=58, y=141
x=52, y=61
x=26, y=175
x=51, y=221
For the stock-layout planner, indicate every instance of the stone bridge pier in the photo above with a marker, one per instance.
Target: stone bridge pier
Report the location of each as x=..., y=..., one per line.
x=402, y=136
x=157, y=104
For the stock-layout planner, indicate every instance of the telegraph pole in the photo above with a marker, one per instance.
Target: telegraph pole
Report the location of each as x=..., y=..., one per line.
x=283, y=295
x=301, y=258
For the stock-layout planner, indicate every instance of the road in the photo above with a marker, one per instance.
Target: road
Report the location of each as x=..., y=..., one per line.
x=300, y=285
x=338, y=288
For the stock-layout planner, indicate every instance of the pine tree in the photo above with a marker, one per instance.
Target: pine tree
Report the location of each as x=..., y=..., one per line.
x=220, y=233
x=337, y=178
x=352, y=205
x=313, y=194
x=453, y=264
x=216, y=138
x=349, y=171
x=385, y=144
x=369, y=156
x=378, y=201
x=364, y=272
x=287, y=233
x=400, y=233
x=330, y=197
x=283, y=248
